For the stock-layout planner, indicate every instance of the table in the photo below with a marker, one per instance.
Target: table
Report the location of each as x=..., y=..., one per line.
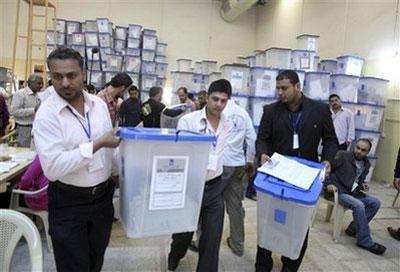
x=15, y=171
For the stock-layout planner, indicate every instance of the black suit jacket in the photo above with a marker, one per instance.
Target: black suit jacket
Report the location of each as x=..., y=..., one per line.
x=275, y=133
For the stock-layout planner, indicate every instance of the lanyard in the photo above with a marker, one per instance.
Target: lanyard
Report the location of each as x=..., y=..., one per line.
x=88, y=131
x=296, y=122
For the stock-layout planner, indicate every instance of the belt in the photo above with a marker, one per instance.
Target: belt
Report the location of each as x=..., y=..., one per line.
x=212, y=181
x=93, y=190
x=19, y=125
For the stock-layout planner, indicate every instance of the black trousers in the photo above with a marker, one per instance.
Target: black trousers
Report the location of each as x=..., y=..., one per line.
x=265, y=263
x=211, y=225
x=80, y=226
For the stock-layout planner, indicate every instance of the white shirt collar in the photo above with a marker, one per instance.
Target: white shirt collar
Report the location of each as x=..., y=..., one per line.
x=60, y=103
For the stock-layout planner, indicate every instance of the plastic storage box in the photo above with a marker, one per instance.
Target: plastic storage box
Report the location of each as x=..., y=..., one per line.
x=372, y=90
x=241, y=100
x=134, y=31
x=108, y=75
x=103, y=25
x=144, y=95
x=316, y=64
x=367, y=116
x=160, y=58
x=78, y=38
x=95, y=64
x=373, y=136
x=119, y=44
x=161, y=82
x=181, y=79
x=104, y=51
x=278, y=57
x=307, y=42
x=208, y=66
x=284, y=212
x=256, y=107
x=73, y=26
x=184, y=65
x=197, y=68
x=148, y=55
x=91, y=26
x=251, y=61
x=199, y=82
x=302, y=77
x=260, y=57
x=263, y=81
x=148, y=81
x=133, y=43
x=149, y=42
x=161, y=48
x=161, y=69
x=350, y=65
x=61, y=39
x=214, y=76
x=238, y=75
x=80, y=49
x=316, y=85
x=121, y=32
x=373, y=161
x=328, y=65
x=345, y=86
x=148, y=67
x=241, y=60
x=302, y=60
x=105, y=39
x=135, y=78
x=91, y=39
x=97, y=79
x=133, y=51
x=132, y=64
x=148, y=31
x=162, y=180
x=114, y=62
x=61, y=25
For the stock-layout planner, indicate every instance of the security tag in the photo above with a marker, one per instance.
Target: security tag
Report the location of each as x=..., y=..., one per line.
x=296, y=141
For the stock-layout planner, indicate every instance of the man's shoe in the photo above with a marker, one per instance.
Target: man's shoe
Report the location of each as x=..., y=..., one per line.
x=375, y=248
x=235, y=251
x=172, y=263
x=193, y=247
x=394, y=233
x=350, y=233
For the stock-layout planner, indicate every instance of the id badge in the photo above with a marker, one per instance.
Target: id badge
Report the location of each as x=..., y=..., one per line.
x=95, y=165
x=296, y=141
x=212, y=162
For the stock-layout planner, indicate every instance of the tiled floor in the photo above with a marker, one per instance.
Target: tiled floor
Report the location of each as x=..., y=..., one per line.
x=323, y=254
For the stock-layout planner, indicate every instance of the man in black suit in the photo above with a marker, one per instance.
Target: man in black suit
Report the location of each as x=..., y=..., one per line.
x=293, y=126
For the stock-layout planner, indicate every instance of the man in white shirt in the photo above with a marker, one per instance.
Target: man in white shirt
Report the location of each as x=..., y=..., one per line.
x=209, y=120
x=24, y=104
x=343, y=121
x=238, y=168
x=75, y=142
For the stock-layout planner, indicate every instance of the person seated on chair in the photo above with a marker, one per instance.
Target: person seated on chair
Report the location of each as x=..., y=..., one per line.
x=396, y=183
x=348, y=174
x=33, y=180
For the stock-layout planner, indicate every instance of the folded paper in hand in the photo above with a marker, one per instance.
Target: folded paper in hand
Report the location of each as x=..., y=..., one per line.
x=290, y=171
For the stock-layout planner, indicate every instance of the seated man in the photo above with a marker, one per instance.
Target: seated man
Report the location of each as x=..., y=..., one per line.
x=395, y=233
x=349, y=170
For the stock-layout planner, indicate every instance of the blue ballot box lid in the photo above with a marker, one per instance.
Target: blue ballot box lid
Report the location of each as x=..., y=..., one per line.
x=163, y=134
x=286, y=191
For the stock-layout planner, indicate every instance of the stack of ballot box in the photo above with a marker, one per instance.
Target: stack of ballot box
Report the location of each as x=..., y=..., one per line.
x=284, y=210
x=162, y=178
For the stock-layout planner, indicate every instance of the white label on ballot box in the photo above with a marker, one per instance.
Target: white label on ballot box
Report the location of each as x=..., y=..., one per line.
x=212, y=162
x=168, y=182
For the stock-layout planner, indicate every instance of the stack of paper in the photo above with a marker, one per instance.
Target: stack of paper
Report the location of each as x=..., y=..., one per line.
x=6, y=166
x=290, y=171
x=23, y=156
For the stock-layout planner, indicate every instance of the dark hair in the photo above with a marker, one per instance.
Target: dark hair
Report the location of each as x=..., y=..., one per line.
x=202, y=93
x=155, y=91
x=290, y=75
x=190, y=96
x=121, y=79
x=366, y=140
x=220, y=85
x=184, y=89
x=332, y=96
x=133, y=88
x=64, y=53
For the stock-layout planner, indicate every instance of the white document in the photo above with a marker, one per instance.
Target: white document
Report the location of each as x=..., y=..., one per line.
x=237, y=79
x=23, y=156
x=168, y=182
x=6, y=166
x=290, y=171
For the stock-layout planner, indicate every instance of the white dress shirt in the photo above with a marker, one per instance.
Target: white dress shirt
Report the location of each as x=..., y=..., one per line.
x=197, y=121
x=23, y=106
x=343, y=121
x=43, y=95
x=241, y=131
x=65, y=151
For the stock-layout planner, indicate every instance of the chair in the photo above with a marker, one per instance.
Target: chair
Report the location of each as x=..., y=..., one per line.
x=14, y=225
x=338, y=217
x=14, y=204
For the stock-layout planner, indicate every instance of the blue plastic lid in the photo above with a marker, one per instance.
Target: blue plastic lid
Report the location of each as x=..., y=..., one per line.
x=369, y=131
x=374, y=78
x=328, y=60
x=240, y=95
x=158, y=134
x=285, y=191
x=368, y=104
x=318, y=73
x=264, y=68
x=344, y=75
x=303, y=51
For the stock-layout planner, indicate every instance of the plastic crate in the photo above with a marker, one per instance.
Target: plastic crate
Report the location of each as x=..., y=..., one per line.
x=133, y=43
x=263, y=81
x=61, y=25
x=238, y=75
x=91, y=26
x=161, y=69
x=95, y=65
x=160, y=58
x=104, y=51
x=256, y=107
x=251, y=61
x=73, y=26
x=61, y=39
x=135, y=78
x=148, y=55
x=241, y=60
x=350, y=65
x=198, y=67
x=345, y=86
x=214, y=76
x=105, y=39
x=199, y=82
x=161, y=48
x=134, y=31
x=91, y=39
x=276, y=57
x=148, y=81
x=367, y=116
x=161, y=82
x=133, y=51
x=132, y=63
x=121, y=33
x=208, y=66
x=78, y=38
x=372, y=90
x=114, y=62
x=302, y=76
x=148, y=67
x=104, y=25
x=149, y=42
x=181, y=79
x=329, y=66
x=97, y=79
x=316, y=85
x=147, y=31
x=307, y=42
x=241, y=100
x=184, y=65
x=260, y=58
x=316, y=64
x=108, y=75
x=302, y=60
